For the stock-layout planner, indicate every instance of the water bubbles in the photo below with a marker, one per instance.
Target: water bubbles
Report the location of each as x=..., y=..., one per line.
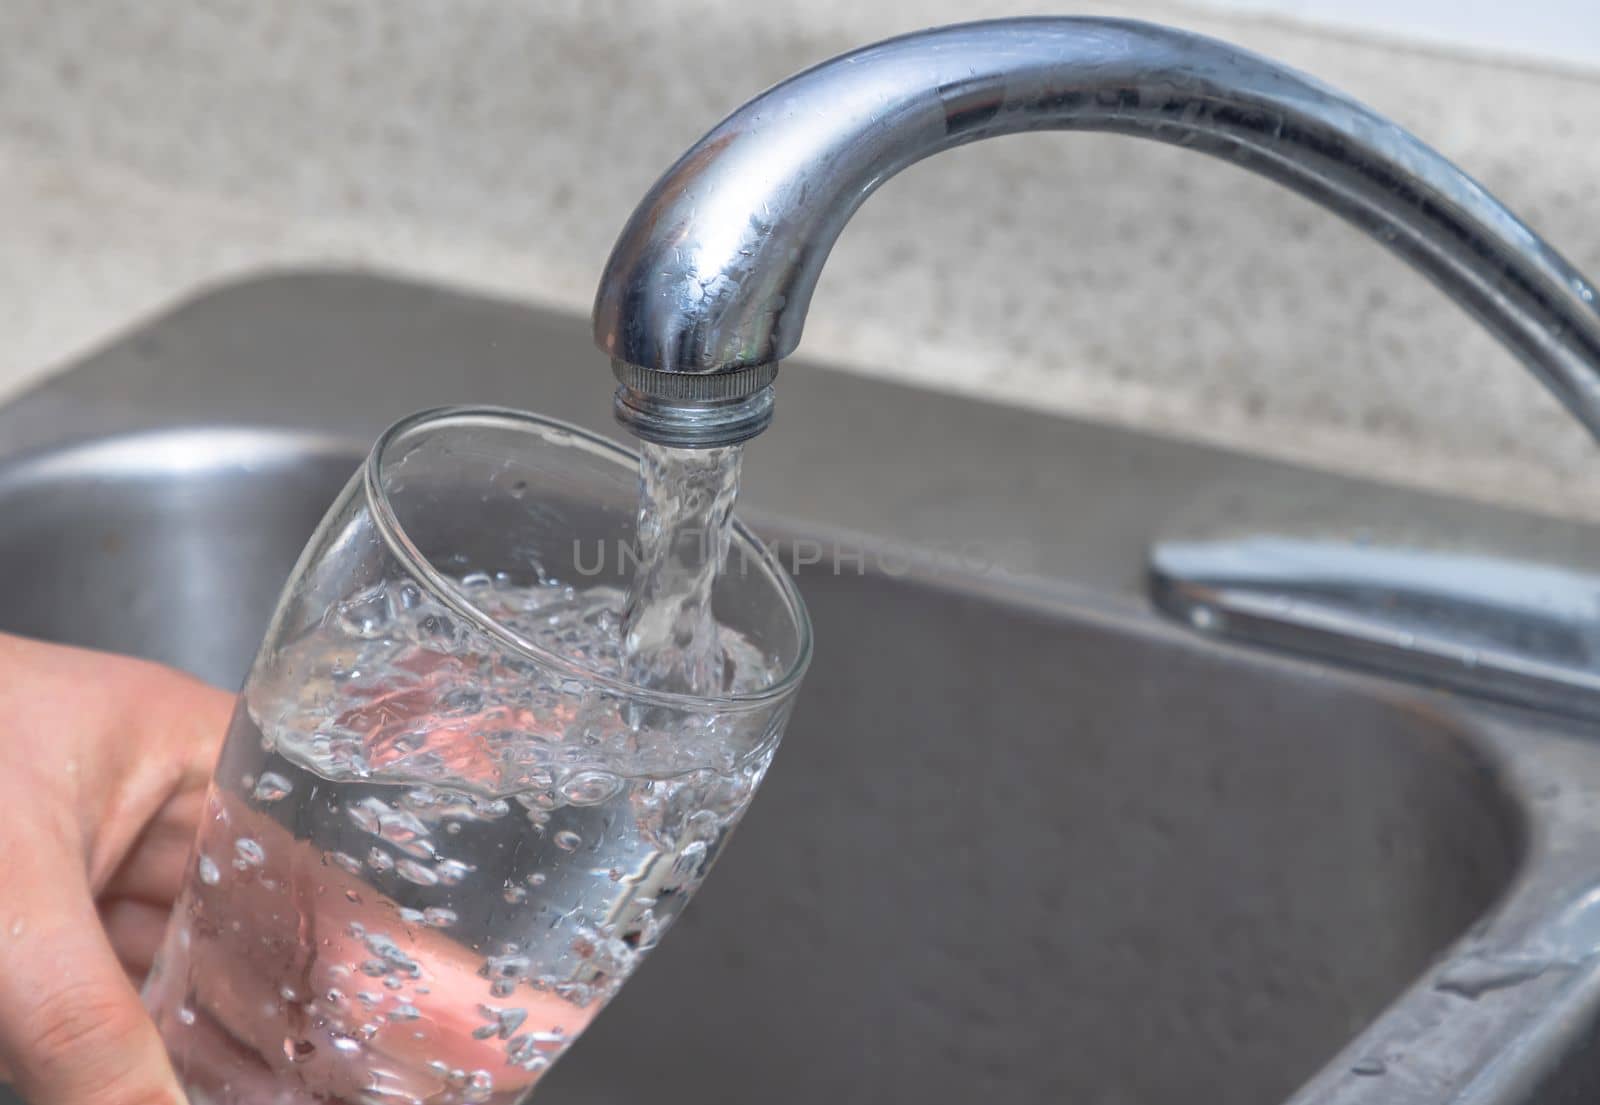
x=404, y=830
x=490, y=738
x=407, y=595
x=533, y=1051
x=434, y=916
x=450, y=872
x=419, y=873
x=512, y=966
x=271, y=787
x=479, y=1086
x=367, y=615
x=368, y=814
x=589, y=788
x=578, y=993
x=399, y=825
x=423, y=799
x=502, y=1022
x=354, y=682
x=438, y=630
x=210, y=874
x=417, y=848
x=379, y=860
x=391, y=958
x=691, y=860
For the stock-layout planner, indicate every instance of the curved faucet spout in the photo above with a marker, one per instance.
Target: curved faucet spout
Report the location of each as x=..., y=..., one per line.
x=707, y=288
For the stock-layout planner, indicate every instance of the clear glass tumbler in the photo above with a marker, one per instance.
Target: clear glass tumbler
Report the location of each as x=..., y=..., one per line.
x=443, y=828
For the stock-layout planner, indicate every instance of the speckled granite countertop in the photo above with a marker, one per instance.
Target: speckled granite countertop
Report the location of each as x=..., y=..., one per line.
x=148, y=148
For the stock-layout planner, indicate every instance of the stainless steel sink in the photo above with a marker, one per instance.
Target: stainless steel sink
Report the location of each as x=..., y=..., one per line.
x=1025, y=840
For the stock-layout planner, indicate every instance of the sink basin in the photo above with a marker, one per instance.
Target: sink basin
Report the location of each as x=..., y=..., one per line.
x=1002, y=852
x=172, y=546
x=1025, y=841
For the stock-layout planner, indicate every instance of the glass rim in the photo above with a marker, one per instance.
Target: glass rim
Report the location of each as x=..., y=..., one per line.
x=439, y=586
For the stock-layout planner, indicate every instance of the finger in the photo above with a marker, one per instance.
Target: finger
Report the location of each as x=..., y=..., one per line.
x=135, y=930
x=72, y=1030
x=155, y=793
x=154, y=869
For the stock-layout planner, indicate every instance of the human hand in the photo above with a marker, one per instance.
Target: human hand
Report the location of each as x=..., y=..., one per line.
x=107, y=760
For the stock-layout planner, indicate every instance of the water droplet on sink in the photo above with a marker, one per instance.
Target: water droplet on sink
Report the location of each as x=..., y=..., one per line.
x=1474, y=976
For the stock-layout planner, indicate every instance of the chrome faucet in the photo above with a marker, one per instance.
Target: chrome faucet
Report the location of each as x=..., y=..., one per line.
x=707, y=288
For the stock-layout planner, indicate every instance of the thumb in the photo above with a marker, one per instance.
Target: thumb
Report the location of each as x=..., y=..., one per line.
x=72, y=1029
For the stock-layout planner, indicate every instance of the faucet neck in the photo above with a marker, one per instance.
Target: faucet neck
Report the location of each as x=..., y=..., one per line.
x=713, y=274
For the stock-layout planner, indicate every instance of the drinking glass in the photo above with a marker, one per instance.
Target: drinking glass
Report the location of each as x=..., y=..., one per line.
x=443, y=828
